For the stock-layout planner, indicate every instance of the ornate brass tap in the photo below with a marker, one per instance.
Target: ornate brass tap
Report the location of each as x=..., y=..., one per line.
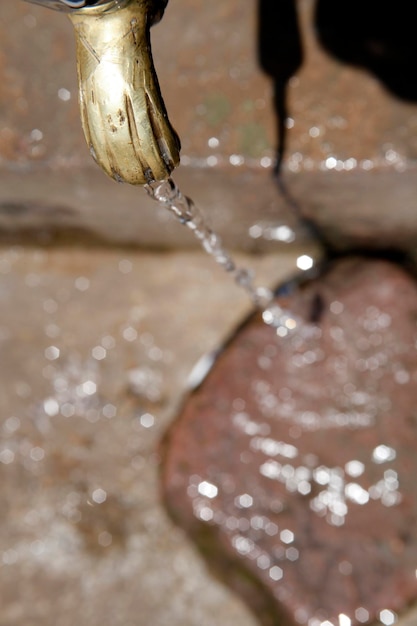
x=123, y=115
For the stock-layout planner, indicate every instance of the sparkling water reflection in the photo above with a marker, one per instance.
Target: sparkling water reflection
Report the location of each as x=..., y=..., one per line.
x=169, y=195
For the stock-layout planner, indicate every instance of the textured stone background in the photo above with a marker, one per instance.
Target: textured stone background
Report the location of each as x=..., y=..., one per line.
x=96, y=349
x=104, y=312
x=221, y=105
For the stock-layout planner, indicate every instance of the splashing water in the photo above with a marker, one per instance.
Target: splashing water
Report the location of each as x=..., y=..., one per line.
x=168, y=194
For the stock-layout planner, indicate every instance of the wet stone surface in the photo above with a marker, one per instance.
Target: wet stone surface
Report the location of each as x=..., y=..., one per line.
x=93, y=365
x=295, y=459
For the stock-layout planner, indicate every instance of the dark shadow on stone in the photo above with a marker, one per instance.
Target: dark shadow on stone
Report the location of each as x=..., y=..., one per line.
x=280, y=55
x=52, y=236
x=376, y=37
x=379, y=37
x=10, y=208
x=372, y=35
x=37, y=224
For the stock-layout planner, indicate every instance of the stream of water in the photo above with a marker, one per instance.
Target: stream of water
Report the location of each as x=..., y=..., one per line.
x=168, y=194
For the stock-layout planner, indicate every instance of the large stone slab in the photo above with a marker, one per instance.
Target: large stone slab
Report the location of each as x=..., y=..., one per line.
x=93, y=364
x=351, y=148
x=293, y=464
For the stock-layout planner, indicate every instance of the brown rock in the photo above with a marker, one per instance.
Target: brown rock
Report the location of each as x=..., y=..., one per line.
x=294, y=461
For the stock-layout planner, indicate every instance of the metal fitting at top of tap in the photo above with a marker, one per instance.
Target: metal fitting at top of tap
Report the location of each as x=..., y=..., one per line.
x=123, y=115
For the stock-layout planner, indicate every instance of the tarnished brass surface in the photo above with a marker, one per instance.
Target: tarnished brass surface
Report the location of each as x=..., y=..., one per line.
x=122, y=111
x=123, y=115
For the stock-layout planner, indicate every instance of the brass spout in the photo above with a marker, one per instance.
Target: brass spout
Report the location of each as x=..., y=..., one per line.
x=123, y=115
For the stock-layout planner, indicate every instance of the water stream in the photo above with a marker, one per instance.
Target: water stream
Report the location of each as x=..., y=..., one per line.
x=168, y=194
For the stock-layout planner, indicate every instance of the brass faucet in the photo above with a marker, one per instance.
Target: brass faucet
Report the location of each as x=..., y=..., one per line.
x=123, y=115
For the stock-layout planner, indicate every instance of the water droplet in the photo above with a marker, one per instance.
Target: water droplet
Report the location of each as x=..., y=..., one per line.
x=213, y=142
x=67, y=409
x=52, y=331
x=6, y=456
x=37, y=454
x=64, y=94
x=236, y=160
x=263, y=561
x=336, y=307
x=383, y=454
x=99, y=353
x=51, y=407
x=87, y=388
x=243, y=545
x=147, y=420
x=205, y=513
x=99, y=496
x=387, y=617
x=402, y=377
x=130, y=334
x=314, y=131
x=50, y=305
x=82, y=283
x=266, y=162
x=147, y=382
x=11, y=424
x=276, y=573
x=330, y=163
x=362, y=614
x=108, y=342
x=322, y=475
x=356, y=493
x=305, y=262
x=212, y=160
x=366, y=164
x=292, y=554
x=105, y=539
x=271, y=529
x=345, y=568
x=109, y=411
x=244, y=501
x=350, y=164
x=272, y=232
x=354, y=468
x=52, y=353
x=36, y=134
x=207, y=489
x=10, y=556
x=286, y=536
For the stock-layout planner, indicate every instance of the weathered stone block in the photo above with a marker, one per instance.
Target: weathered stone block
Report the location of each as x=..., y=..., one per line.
x=351, y=148
x=294, y=460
